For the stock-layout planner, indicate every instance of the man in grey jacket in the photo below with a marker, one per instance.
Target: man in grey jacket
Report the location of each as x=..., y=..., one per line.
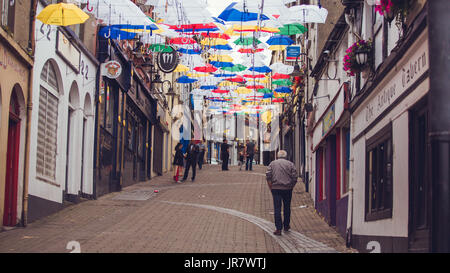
x=281, y=178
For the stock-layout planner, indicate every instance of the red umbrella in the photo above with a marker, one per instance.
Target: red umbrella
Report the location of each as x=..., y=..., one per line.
x=216, y=35
x=220, y=91
x=206, y=69
x=278, y=100
x=279, y=76
x=250, y=50
x=256, y=76
x=201, y=27
x=182, y=41
x=236, y=79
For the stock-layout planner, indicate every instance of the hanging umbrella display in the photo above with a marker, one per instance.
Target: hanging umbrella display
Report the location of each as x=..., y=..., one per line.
x=160, y=48
x=254, y=28
x=283, y=89
x=260, y=69
x=233, y=14
x=278, y=100
x=250, y=50
x=245, y=41
x=235, y=68
x=221, y=47
x=256, y=76
x=216, y=35
x=224, y=75
x=181, y=68
x=238, y=79
x=280, y=40
x=110, y=32
x=220, y=91
x=264, y=90
x=208, y=87
x=214, y=41
x=282, y=68
x=186, y=79
x=222, y=64
x=284, y=82
x=182, y=41
x=189, y=51
x=277, y=47
x=221, y=58
x=278, y=76
x=243, y=90
x=292, y=29
x=304, y=14
x=255, y=86
x=206, y=69
x=62, y=14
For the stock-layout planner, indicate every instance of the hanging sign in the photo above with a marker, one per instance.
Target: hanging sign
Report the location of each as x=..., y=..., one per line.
x=111, y=69
x=292, y=52
x=167, y=61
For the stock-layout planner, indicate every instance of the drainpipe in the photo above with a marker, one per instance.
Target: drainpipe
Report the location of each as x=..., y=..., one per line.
x=439, y=132
x=31, y=42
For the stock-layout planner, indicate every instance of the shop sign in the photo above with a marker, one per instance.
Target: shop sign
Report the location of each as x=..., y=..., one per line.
x=328, y=120
x=167, y=61
x=292, y=52
x=111, y=69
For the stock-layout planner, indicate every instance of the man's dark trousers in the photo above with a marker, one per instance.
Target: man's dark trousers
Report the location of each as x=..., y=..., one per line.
x=279, y=197
x=249, y=162
x=225, y=158
x=189, y=163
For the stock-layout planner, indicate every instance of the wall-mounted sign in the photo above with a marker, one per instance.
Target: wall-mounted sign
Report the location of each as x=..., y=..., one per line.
x=111, y=69
x=67, y=51
x=328, y=120
x=167, y=61
x=292, y=52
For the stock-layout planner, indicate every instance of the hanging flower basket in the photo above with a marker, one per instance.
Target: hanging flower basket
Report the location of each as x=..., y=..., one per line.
x=358, y=57
x=391, y=8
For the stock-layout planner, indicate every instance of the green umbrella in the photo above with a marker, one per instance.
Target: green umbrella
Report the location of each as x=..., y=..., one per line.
x=235, y=68
x=160, y=48
x=264, y=90
x=285, y=82
x=246, y=41
x=292, y=29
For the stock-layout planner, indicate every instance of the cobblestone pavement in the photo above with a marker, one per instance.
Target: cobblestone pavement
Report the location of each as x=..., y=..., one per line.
x=220, y=212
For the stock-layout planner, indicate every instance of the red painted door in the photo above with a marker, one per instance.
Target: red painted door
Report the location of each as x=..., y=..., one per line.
x=12, y=161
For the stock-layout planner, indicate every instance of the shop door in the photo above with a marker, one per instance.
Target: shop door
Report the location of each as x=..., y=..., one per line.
x=158, y=151
x=11, y=178
x=419, y=187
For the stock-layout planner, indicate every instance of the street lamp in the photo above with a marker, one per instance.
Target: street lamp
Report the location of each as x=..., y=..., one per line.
x=362, y=56
x=167, y=88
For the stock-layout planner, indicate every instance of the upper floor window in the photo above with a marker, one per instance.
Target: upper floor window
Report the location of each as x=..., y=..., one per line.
x=384, y=35
x=8, y=12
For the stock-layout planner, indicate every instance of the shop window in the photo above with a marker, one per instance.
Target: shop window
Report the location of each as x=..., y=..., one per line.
x=379, y=175
x=110, y=107
x=320, y=170
x=47, y=124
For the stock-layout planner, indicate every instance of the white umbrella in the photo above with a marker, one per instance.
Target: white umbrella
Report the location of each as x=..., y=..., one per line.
x=304, y=14
x=281, y=68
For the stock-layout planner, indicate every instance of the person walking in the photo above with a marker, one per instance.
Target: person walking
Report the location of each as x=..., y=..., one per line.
x=191, y=160
x=281, y=178
x=201, y=155
x=178, y=162
x=224, y=155
x=249, y=153
x=241, y=159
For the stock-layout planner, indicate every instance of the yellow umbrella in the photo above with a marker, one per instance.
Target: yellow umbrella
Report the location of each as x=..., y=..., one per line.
x=214, y=41
x=62, y=14
x=221, y=58
x=253, y=28
x=277, y=47
x=181, y=68
x=197, y=75
x=243, y=90
x=227, y=83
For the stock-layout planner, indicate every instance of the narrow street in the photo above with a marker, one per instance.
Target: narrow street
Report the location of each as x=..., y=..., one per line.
x=220, y=212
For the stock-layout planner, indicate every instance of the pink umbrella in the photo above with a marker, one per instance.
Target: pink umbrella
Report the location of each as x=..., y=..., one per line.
x=257, y=76
x=236, y=79
x=182, y=41
x=220, y=91
x=278, y=76
x=208, y=68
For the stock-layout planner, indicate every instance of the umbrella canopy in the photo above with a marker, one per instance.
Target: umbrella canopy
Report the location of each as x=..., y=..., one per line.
x=292, y=29
x=222, y=64
x=214, y=41
x=233, y=14
x=111, y=32
x=250, y=50
x=265, y=90
x=277, y=47
x=220, y=91
x=182, y=41
x=278, y=76
x=221, y=47
x=224, y=75
x=246, y=41
x=160, y=48
x=181, y=68
x=280, y=40
x=255, y=86
x=260, y=69
x=282, y=82
x=221, y=58
x=235, y=68
x=304, y=14
x=281, y=68
x=208, y=87
x=238, y=78
x=190, y=51
x=256, y=76
x=186, y=79
x=254, y=28
x=62, y=14
x=283, y=89
x=243, y=90
x=206, y=69
x=216, y=35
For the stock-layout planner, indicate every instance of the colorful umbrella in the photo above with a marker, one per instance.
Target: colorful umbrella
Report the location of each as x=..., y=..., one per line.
x=182, y=41
x=186, y=79
x=221, y=47
x=220, y=91
x=181, y=68
x=222, y=64
x=115, y=33
x=250, y=50
x=246, y=41
x=255, y=86
x=160, y=48
x=265, y=90
x=221, y=58
x=235, y=68
x=238, y=78
x=232, y=14
x=277, y=47
x=280, y=40
x=283, y=89
x=284, y=82
x=256, y=76
x=224, y=75
x=62, y=14
x=208, y=87
x=190, y=51
x=206, y=69
x=216, y=35
x=278, y=76
x=282, y=68
x=260, y=69
x=292, y=29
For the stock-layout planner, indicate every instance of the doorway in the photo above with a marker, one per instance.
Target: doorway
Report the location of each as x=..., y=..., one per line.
x=419, y=182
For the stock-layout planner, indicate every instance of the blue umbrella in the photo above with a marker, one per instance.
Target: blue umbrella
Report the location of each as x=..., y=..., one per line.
x=222, y=47
x=280, y=40
x=260, y=69
x=186, y=79
x=283, y=89
x=208, y=87
x=221, y=64
x=268, y=95
x=190, y=51
x=114, y=32
x=190, y=30
x=232, y=14
x=224, y=75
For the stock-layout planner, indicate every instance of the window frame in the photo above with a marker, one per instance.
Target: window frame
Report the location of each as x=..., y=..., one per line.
x=383, y=136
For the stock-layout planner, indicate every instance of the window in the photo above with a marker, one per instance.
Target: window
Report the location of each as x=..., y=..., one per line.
x=8, y=12
x=379, y=175
x=110, y=107
x=47, y=124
